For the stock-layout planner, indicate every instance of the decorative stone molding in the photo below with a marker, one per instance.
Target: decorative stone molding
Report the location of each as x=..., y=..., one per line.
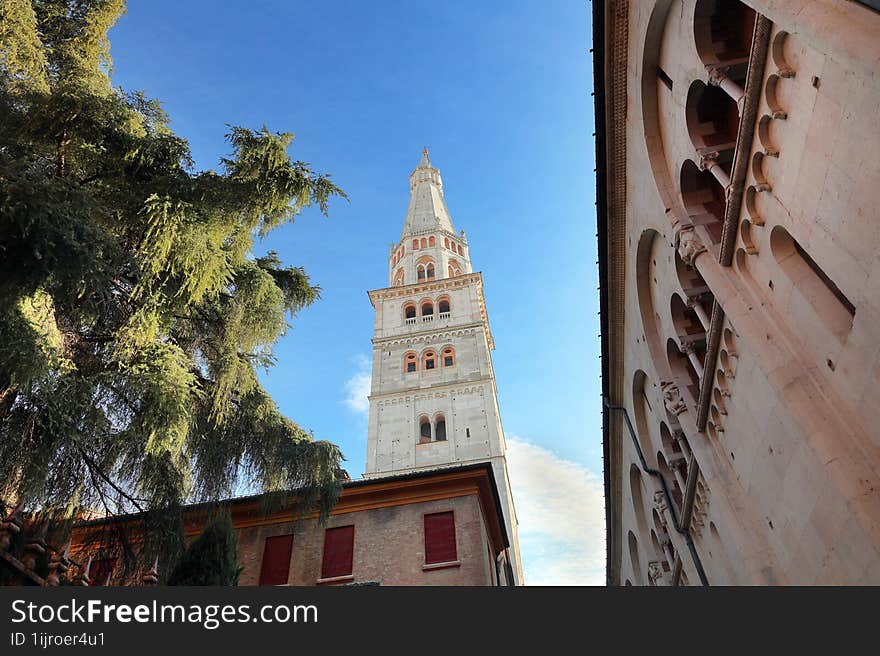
x=675, y=405
x=688, y=245
x=708, y=160
x=655, y=572
x=661, y=507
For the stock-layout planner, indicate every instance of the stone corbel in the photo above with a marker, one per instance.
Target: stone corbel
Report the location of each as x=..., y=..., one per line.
x=688, y=245
x=672, y=398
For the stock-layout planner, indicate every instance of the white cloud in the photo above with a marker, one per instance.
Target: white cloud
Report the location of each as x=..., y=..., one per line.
x=357, y=388
x=561, y=511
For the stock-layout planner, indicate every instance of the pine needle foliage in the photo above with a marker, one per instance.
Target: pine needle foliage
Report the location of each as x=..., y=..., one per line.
x=211, y=558
x=134, y=314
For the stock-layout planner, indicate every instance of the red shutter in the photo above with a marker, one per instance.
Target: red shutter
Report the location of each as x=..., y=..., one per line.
x=440, y=538
x=338, y=552
x=276, y=560
x=101, y=570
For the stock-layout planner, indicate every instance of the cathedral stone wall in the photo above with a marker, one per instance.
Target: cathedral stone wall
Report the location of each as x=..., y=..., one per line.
x=389, y=546
x=747, y=269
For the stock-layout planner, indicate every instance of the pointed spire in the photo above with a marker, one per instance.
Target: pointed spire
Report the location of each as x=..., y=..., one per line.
x=427, y=207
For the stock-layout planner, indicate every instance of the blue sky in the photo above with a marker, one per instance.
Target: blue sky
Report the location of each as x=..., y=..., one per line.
x=500, y=93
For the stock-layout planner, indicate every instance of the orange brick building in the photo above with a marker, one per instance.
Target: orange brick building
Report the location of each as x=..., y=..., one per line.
x=441, y=527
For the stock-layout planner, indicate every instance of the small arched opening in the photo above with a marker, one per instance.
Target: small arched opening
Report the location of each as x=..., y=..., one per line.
x=424, y=429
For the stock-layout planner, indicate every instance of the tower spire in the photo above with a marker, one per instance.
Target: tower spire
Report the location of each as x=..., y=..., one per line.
x=427, y=208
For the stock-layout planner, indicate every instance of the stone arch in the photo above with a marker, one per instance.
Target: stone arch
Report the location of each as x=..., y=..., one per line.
x=745, y=233
x=829, y=303
x=723, y=31
x=439, y=427
x=454, y=268
x=409, y=310
x=712, y=118
x=694, y=287
x=447, y=356
x=675, y=488
x=399, y=278
x=718, y=400
x=772, y=91
x=650, y=249
x=683, y=373
x=676, y=457
x=686, y=321
x=424, y=429
x=429, y=359
x=703, y=198
x=782, y=54
x=664, y=179
x=752, y=206
x=443, y=304
x=642, y=410
x=636, y=486
x=634, y=556
x=766, y=136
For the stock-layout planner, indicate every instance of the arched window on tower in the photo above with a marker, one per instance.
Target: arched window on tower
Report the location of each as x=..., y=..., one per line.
x=431, y=241
x=446, y=242
x=424, y=429
x=415, y=244
x=440, y=428
x=449, y=357
x=430, y=271
x=399, y=278
x=409, y=313
x=429, y=360
x=427, y=309
x=424, y=243
x=443, y=305
x=454, y=269
x=410, y=363
x=460, y=250
x=420, y=272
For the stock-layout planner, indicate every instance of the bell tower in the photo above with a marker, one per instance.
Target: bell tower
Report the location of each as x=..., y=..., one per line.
x=433, y=400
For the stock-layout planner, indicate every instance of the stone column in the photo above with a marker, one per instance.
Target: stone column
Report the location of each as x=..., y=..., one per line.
x=709, y=162
x=718, y=77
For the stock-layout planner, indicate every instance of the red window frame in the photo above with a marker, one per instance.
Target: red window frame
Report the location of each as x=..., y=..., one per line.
x=440, y=544
x=275, y=567
x=338, y=557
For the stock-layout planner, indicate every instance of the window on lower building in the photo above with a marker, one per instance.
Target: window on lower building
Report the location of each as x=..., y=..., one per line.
x=440, y=538
x=338, y=552
x=276, y=560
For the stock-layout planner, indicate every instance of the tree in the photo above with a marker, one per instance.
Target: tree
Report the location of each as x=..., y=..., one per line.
x=211, y=558
x=134, y=314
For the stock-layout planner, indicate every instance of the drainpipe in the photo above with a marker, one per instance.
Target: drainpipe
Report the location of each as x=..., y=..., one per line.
x=695, y=557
